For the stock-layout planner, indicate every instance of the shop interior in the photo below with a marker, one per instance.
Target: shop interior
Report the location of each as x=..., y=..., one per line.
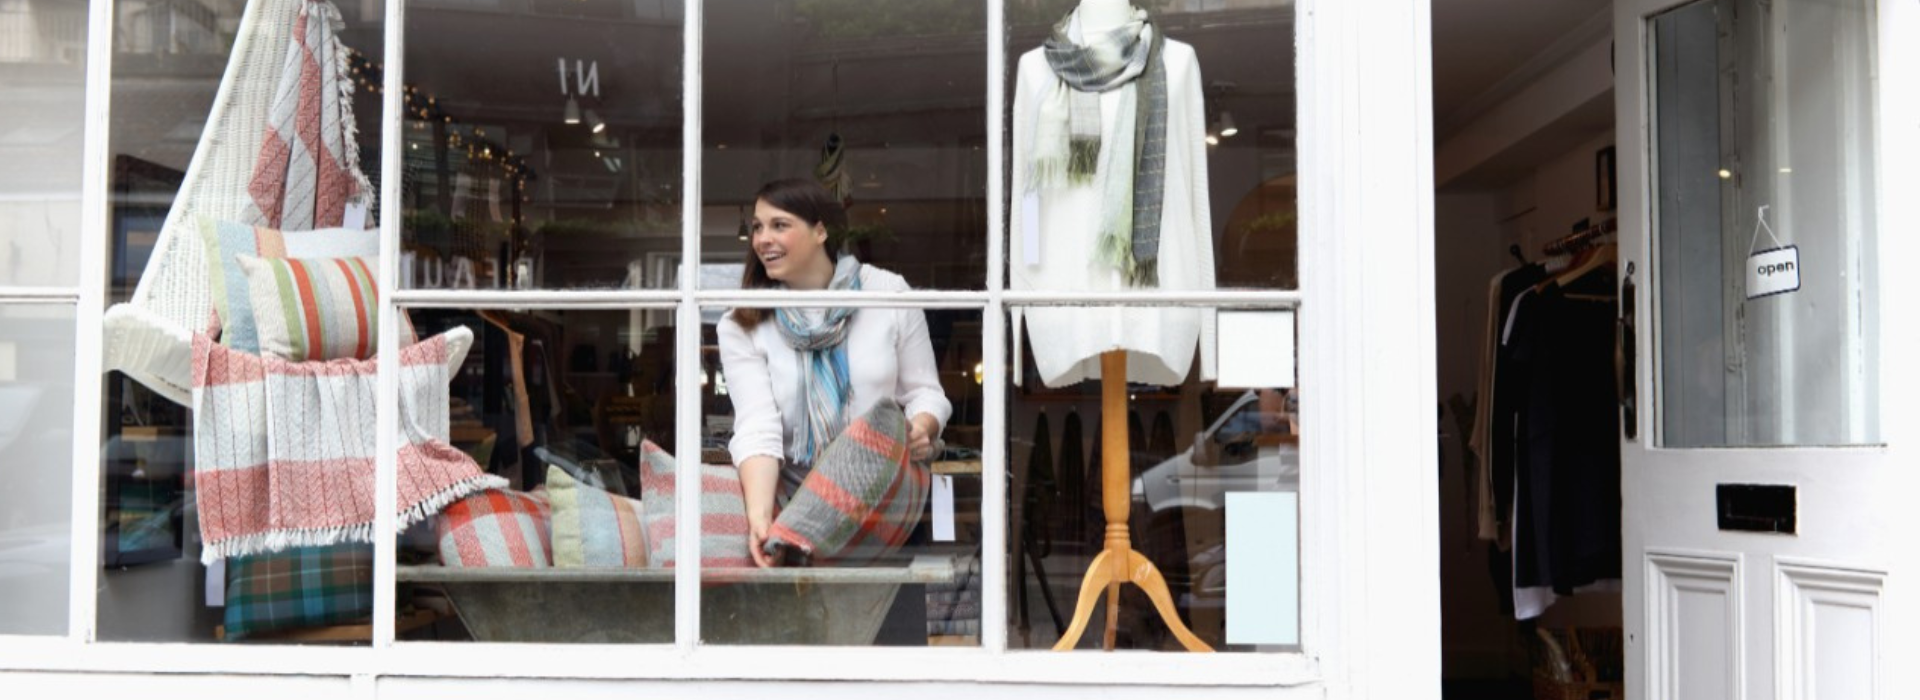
x=1524, y=178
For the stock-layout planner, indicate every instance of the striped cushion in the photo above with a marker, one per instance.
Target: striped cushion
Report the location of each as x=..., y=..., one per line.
x=300, y=587
x=495, y=528
x=863, y=497
x=225, y=241
x=592, y=527
x=723, y=511
x=313, y=308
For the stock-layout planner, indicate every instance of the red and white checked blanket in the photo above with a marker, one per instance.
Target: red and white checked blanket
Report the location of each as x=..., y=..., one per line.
x=284, y=451
x=309, y=163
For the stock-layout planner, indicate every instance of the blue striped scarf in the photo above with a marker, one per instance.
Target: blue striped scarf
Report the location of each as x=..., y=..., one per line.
x=825, y=381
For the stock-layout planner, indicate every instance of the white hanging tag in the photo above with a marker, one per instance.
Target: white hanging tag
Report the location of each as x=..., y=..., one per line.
x=356, y=215
x=942, y=508
x=1772, y=271
x=217, y=584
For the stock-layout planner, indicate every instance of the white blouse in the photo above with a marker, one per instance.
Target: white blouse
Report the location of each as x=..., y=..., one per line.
x=888, y=353
x=1053, y=239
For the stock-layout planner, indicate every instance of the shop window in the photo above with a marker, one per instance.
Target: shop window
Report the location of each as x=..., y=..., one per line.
x=543, y=147
x=36, y=436
x=43, y=88
x=883, y=102
x=873, y=539
x=569, y=416
x=275, y=166
x=1199, y=436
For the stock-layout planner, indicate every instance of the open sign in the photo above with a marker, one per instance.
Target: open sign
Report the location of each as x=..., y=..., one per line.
x=1775, y=271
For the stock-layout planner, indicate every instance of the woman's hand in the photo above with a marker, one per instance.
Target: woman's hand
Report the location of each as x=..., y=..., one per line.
x=759, y=476
x=920, y=433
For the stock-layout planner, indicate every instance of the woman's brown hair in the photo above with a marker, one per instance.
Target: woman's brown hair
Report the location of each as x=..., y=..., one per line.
x=800, y=197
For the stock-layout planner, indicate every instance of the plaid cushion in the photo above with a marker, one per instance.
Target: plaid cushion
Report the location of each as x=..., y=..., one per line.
x=723, y=511
x=496, y=528
x=863, y=497
x=592, y=527
x=300, y=587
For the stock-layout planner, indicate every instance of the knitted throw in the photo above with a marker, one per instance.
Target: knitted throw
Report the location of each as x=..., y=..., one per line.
x=309, y=163
x=284, y=451
x=824, y=380
x=1067, y=147
x=863, y=498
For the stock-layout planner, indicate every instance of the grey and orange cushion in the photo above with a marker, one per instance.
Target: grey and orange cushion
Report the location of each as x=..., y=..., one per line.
x=862, y=499
x=592, y=527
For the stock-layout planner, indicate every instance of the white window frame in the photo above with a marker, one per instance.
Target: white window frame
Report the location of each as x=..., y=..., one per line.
x=1370, y=595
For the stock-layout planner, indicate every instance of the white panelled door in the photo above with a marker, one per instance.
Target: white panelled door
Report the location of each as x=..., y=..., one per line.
x=1770, y=510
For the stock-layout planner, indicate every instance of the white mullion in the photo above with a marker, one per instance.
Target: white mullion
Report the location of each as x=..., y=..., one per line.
x=686, y=356
x=551, y=298
x=90, y=306
x=387, y=386
x=993, y=418
x=40, y=295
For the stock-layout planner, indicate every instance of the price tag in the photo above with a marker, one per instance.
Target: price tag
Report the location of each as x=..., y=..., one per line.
x=1771, y=272
x=942, y=508
x=356, y=215
x=216, y=588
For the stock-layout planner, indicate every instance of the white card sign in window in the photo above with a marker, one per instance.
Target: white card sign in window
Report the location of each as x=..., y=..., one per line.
x=1256, y=349
x=1263, y=581
x=1775, y=271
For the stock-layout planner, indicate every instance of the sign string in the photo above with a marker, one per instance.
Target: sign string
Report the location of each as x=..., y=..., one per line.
x=1760, y=222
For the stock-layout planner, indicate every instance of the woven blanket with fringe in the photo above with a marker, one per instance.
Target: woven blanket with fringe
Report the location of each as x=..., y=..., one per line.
x=308, y=168
x=284, y=451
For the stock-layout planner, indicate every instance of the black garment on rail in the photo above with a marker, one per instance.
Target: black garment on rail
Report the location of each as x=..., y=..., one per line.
x=1566, y=446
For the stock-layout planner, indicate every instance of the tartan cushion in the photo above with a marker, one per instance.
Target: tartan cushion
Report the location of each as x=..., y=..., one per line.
x=592, y=527
x=225, y=241
x=313, y=308
x=723, y=511
x=496, y=528
x=863, y=497
x=299, y=587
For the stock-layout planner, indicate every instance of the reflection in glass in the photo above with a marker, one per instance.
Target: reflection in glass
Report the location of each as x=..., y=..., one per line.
x=542, y=146
x=574, y=410
x=1764, y=140
x=884, y=102
x=169, y=117
x=869, y=546
x=1189, y=447
x=36, y=451
x=42, y=95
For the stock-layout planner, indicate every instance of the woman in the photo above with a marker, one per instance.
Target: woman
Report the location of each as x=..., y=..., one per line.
x=797, y=376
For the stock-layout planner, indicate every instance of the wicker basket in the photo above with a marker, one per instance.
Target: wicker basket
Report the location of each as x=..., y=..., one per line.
x=1591, y=669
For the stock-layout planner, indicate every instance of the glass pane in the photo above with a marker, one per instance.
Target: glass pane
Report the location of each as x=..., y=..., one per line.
x=543, y=145
x=563, y=408
x=1228, y=191
x=43, y=71
x=883, y=102
x=1765, y=198
x=1197, y=439
x=875, y=541
x=36, y=441
x=252, y=179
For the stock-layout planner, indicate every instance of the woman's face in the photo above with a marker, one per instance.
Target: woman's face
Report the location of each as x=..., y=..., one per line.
x=786, y=244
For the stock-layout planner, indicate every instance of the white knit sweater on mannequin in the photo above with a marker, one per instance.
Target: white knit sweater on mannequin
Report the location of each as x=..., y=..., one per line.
x=1053, y=234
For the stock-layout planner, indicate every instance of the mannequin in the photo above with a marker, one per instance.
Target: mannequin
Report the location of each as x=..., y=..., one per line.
x=1055, y=229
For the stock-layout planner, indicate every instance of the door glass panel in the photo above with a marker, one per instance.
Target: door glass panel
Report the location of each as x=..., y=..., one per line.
x=1763, y=193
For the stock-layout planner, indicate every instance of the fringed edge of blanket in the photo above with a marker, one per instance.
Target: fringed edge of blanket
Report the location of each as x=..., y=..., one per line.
x=281, y=540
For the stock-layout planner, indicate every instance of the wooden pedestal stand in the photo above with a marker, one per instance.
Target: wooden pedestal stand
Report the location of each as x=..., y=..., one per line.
x=1118, y=564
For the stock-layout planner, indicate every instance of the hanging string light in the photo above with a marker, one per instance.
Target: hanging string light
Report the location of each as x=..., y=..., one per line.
x=422, y=108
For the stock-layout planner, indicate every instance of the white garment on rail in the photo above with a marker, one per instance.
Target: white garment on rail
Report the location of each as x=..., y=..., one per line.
x=1052, y=243
x=888, y=353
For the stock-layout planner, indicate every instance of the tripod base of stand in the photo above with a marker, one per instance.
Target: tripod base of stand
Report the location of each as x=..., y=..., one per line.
x=1113, y=568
